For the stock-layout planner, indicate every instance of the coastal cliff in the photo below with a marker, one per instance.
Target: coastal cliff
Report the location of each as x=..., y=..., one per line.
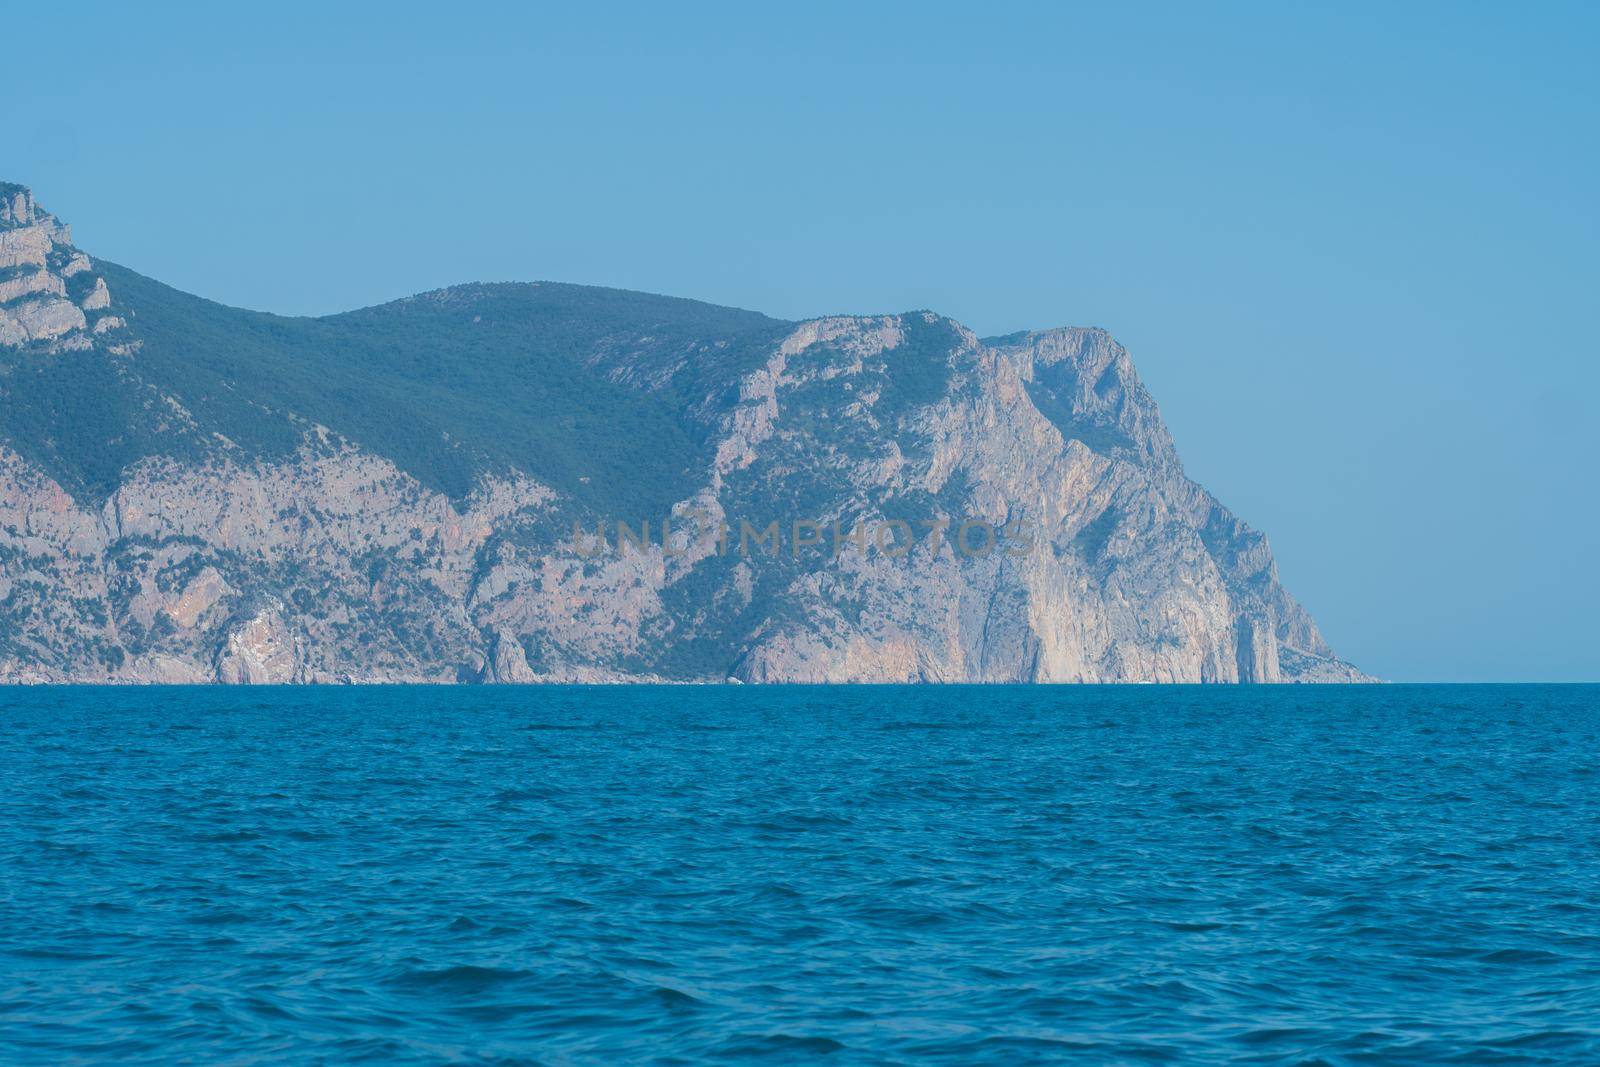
x=437, y=489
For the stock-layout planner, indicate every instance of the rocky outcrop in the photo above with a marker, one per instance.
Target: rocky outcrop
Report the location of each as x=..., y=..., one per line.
x=510, y=661
x=46, y=285
x=28, y=281
x=260, y=650
x=197, y=597
x=881, y=499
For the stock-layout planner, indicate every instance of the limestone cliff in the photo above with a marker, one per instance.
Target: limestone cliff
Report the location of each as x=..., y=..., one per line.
x=433, y=491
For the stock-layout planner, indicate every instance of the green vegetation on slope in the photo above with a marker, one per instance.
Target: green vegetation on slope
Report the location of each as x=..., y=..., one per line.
x=593, y=391
x=918, y=370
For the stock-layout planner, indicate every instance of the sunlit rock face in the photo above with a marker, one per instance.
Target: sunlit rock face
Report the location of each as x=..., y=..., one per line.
x=554, y=483
x=48, y=292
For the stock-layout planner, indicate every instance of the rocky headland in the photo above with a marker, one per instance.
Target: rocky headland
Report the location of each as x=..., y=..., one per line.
x=412, y=493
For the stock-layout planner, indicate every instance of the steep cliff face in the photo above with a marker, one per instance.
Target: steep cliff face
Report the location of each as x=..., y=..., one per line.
x=552, y=483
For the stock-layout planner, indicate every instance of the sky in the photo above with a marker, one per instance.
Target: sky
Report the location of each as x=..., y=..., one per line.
x=1352, y=251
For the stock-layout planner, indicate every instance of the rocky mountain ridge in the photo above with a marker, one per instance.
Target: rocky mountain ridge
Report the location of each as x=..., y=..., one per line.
x=408, y=493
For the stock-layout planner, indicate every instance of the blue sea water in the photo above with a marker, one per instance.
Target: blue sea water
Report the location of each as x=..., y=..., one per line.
x=1394, y=874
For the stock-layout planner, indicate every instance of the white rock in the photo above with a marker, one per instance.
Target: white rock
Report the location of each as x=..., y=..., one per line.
x=35, y=281
x=27, y=246
x=46, y=318
x=99, y=297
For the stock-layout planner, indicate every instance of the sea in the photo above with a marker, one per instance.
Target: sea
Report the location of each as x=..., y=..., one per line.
x=1398, y=874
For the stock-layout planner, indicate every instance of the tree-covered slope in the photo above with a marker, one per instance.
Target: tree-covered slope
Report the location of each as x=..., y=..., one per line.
x=596, y=392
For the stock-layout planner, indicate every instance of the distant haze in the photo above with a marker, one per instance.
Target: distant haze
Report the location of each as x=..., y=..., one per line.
x=1352, y=252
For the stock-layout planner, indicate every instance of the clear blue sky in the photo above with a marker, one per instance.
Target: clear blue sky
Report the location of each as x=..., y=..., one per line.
x=1352, y=251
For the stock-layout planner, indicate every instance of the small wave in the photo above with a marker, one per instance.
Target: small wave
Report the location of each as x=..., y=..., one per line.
x=228, y=837
x=512, y=796
x=1191, y=927
x=781, y=1045
x=63, y=954
x=216, y=918
x=1276, y=1035
x=1520, y=955
x=676, y=999
x=466, y=978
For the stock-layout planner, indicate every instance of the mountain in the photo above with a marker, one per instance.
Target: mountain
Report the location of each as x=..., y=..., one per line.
x=544, y=482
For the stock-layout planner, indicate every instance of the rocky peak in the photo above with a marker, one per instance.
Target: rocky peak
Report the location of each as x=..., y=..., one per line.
x=16, y=206
x=50, y=295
